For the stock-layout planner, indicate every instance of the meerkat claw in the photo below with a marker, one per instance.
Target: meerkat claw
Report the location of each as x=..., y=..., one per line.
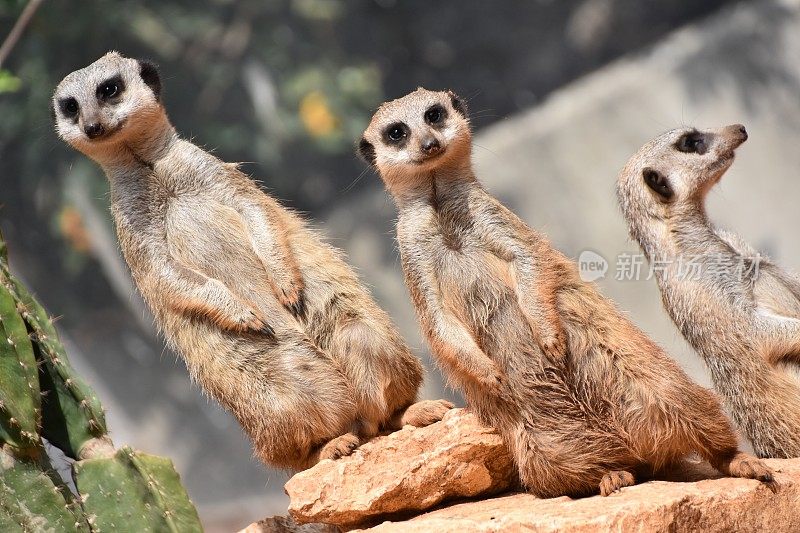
x=426, y=412
x=340, y=447
x=267, y=330
x=614, y=481
x=293, y=300
x=298, y=308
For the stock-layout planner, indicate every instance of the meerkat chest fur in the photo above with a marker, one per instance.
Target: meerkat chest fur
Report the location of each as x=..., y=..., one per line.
x=145, y=195
x=182, y=200
x=451, y=234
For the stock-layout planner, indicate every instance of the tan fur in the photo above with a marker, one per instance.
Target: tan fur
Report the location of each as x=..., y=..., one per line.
x=745, y=327
x=584, y=400
x=270, y=319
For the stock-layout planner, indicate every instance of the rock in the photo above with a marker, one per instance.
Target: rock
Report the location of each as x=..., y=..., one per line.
x=285, y=524
x=408, y=471
x=711, y=505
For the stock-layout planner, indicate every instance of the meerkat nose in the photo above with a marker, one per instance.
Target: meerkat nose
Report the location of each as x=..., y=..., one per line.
x=94, y=130
x=431, y=145
x=737, y=130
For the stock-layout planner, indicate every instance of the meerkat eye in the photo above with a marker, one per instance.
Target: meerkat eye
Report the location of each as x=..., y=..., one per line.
x=692, y=143
x=435, y=115
x=396, y=132
x=110, y=88
x=69, y=107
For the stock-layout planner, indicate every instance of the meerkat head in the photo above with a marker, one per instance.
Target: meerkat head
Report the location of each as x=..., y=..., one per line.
x=413, y=135
x=114, y=100
x=675, y=171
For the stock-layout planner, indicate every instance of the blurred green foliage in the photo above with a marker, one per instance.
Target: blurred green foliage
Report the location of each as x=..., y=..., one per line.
x=8, y=82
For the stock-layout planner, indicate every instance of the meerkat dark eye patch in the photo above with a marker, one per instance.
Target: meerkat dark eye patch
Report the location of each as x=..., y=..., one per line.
x=435, y=115
x=149, y=73
x=69, y=107
x=693, y=142
x=396, y=133
x=658, y=183
x=458, y=104
x=111, y=88
x=367, y=151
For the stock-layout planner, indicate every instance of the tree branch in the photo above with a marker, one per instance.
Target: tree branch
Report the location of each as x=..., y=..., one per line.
x=16, y=32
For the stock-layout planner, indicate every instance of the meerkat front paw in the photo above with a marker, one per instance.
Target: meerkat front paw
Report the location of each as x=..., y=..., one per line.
x=746, y=466
x=247, y=321
x=293, y=299
x=339, y=447
x=615, y=480
x=426, y=412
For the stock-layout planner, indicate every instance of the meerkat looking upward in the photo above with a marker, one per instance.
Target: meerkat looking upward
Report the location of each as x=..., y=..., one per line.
x=739, y=310
x=269, y=319
x=583, y=399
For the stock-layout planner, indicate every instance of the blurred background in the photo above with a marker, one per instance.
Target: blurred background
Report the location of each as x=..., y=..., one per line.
x=561, y=93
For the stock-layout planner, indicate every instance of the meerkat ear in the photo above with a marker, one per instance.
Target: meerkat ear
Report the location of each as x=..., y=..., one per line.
x=366, y=151
x=149, y=73
x=658, y=182
x=458, y=103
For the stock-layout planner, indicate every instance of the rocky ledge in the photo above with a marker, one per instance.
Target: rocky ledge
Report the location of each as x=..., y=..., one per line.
x=455, y=476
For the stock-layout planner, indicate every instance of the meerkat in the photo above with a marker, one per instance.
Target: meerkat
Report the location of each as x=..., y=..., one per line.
x=582, y=398
x=739, y=310
x=270, y=320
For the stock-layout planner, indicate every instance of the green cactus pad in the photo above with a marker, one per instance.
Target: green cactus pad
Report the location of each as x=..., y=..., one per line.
x=133, y=491
x=71, y=412
x=20, y=405
x=31, y=501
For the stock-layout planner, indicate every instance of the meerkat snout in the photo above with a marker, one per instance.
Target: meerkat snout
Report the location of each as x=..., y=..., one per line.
x=729, y=138
x=431, y=146
x=94, y=130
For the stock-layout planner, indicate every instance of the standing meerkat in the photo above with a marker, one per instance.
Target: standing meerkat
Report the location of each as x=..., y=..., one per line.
x=740, y=311
x=269, y=319
x=582, y=398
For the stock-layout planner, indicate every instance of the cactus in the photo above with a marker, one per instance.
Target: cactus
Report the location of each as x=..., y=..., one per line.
x=20, y=403
x=132, y=487
x=48, y=505
x=71, y=413
x=41, y=396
